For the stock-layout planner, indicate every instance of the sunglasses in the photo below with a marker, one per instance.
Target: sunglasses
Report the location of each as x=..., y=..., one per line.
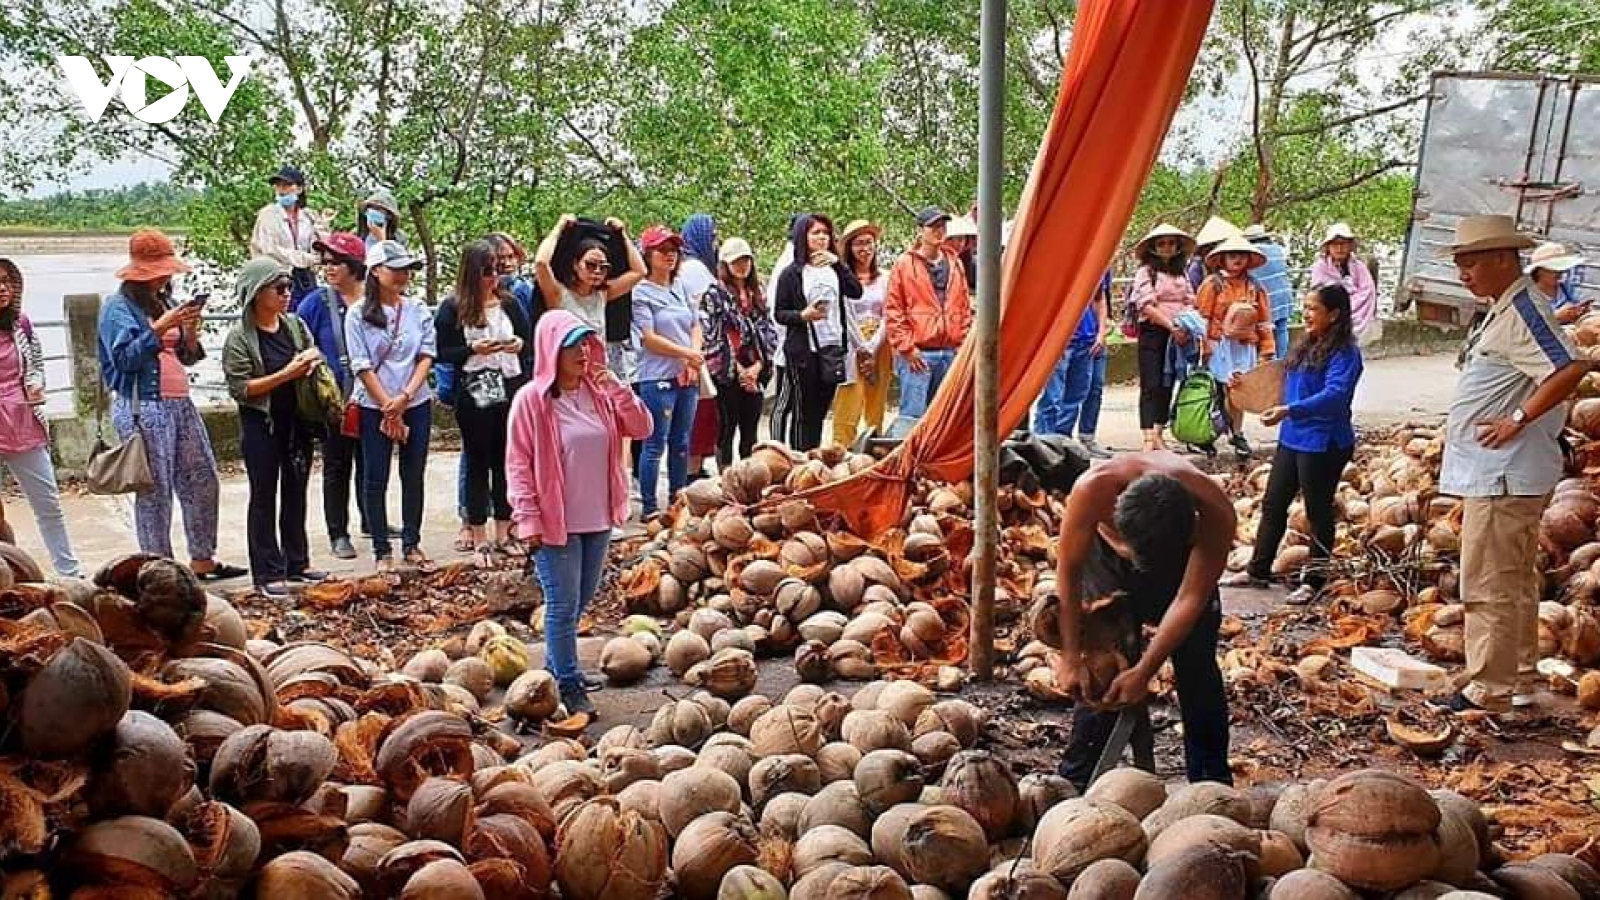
x=597, y=267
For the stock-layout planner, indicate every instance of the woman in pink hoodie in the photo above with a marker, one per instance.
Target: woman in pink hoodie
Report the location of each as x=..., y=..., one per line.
x=566, y=475
x=1337, y=263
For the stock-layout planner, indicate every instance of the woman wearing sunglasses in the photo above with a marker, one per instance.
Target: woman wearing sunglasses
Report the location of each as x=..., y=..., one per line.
x=264, y=357
x=588, y=285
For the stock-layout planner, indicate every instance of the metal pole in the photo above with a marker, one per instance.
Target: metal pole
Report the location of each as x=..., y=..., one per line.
x=986, y=440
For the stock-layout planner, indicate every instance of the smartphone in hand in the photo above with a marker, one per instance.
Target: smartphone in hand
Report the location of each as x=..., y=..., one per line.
x=198, y=301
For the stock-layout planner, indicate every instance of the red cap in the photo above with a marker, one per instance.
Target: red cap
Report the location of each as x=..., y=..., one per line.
x=657, y=236
x=342, y=243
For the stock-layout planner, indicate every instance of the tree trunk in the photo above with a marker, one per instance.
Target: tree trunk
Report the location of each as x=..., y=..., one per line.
x=424, y=230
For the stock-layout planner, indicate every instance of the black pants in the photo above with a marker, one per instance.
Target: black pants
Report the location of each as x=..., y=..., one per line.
x=340, y=457
x=1202, y=699
x=815, y=396
x=739, y=411
x=277, y=459
x=1315, y=477
x=483, y=438
x=784, y=426
x=1155, y=397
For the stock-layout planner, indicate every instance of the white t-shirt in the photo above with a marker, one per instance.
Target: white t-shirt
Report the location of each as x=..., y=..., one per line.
x=497, y=328
x=821, y=284
x=591, y=308
x=695, y=278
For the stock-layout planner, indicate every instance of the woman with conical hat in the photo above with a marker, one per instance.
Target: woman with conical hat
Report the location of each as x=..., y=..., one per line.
x=1213, y=232
x=1159, y=296
x=1337, y=263
x=1238, y=320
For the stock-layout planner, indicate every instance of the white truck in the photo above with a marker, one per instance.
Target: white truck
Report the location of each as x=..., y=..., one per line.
x=1526, y=146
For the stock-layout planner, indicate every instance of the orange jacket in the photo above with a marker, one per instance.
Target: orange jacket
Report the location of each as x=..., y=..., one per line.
x=911, y=311
x=1218, y=292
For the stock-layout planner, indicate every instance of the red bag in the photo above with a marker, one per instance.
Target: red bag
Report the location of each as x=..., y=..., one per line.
x=350, y=427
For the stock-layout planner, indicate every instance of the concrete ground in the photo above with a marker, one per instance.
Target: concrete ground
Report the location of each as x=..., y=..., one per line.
x=1392, y=392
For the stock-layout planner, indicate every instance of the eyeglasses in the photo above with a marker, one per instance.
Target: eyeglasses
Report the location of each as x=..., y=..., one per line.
x=596, y=267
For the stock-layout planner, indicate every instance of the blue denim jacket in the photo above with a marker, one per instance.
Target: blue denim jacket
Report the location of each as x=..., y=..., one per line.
x=128, y=348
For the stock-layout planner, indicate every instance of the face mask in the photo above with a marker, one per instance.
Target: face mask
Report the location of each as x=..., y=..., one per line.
x=377, y=217
x=288, y=200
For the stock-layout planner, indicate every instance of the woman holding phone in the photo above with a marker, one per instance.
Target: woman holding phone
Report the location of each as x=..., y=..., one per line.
x=810, y=301
x=482, y=332
x=568, y=478
x=145, y=343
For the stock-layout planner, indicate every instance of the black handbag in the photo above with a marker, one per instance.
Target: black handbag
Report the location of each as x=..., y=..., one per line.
x=831, y=359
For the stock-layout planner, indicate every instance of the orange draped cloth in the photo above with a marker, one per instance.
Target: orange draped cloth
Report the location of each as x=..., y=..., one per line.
x=1124, y=76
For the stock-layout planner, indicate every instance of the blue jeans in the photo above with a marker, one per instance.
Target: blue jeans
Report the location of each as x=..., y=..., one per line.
x=1071, y=399
x=672, y=407
x=377, y=454
x=461, y=485
x=568, y=575
x=917, y=389
x=1280, y=333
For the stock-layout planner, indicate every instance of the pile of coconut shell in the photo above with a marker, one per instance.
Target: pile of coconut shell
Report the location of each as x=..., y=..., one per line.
x=745, y=569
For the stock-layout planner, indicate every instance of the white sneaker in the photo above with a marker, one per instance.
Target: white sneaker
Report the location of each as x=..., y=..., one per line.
x=1523, y=701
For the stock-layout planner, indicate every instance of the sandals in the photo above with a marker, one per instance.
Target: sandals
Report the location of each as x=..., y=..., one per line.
x=221, y=572
x=463, y=542
x=486, y=556
x=512, y=547
x=415, y=557
x=1301, y=595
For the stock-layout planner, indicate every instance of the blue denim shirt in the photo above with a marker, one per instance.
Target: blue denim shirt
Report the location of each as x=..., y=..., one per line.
x=1319, y=404
x=392, y=352
x=313, y=311
x=128, y=349
x=1274, y=278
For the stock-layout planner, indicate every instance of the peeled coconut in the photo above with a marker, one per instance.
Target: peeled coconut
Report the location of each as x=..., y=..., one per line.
x=78, y=697
x=836, y=804
x=1582, y=876
x=471, y=674
x=906, y=700
x=730, y=673
x=1017, y=883
x=837, y=761
x=1290, y=812
x=1037, y=792
x=935, y=749
x=690, y=793
x=829, y=844
x=1075, y=833
x=684, y=650
x=745, y=711
x=937, y=845
x=733, y=760
x=886, y=778
x=707, y=849
x=1207, y=830
x=958, y=717
x=1374, y=830
x=786, y=729
x=751, y=883
x=790, y=773
x=533, y=696
x=875, y=729
x=1279, y=855
x=1199, y=798
x=1311, y=884
x=427, y=665
x=1108, y=879
x=684, y=723
x=624, y=660
x=145, y=769
x=781, y=815
x=1135, y=790
x=605, y=853
x=984, y=787
x=301, y=873
x=1198, y=872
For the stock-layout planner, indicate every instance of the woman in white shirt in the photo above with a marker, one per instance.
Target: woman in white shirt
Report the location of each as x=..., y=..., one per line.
x=287, y=231
x=810, y=300
x=867, y=368
x=483, y=333
x=587, y=285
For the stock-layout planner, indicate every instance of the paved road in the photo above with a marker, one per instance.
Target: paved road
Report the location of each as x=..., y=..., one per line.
x=1392, y=392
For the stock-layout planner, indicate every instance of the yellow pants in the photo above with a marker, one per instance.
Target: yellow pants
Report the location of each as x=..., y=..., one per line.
x=854, y=401
x=1500, y=589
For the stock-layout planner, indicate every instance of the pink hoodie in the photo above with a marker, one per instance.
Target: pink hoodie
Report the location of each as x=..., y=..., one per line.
x=534, y=478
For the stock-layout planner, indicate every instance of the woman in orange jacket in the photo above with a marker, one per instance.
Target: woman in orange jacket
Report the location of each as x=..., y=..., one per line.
x=1238, y=318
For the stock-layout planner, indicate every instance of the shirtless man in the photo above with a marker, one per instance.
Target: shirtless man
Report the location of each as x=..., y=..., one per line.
x=1155, y=527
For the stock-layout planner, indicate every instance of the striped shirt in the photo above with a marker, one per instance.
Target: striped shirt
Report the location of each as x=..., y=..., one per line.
x=1274, y=279
x=1508, y=355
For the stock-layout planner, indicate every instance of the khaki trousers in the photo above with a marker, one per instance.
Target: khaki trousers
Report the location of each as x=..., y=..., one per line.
x=1500, y=589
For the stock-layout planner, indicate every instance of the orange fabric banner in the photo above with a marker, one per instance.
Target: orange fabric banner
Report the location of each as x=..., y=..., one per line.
x=1123, y=79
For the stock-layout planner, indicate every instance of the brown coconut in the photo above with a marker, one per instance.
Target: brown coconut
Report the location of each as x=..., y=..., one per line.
x=982, y=785
x=1290, y=812
x=841, y=882
x=781, y=815
x=875, y=729
x=1198, y=872
x=836, y=804
x=707, y=849
x=693, y=792
x=143, y=769
x=829, y=844
x=1374, y=830
x=304, y=874
x=133, y=850
x=1310, y=884
x=439, y=810
x=938, y=845
x=958, y=717
x=1075, y=833
x=77, y=698
x=1037, y=792
x=887, y=778
x=786, y=729
x=1459, y=853
x=1200, y=798
x=1108, y=879
x=1211, y=831
x=605, y=853
x=442, y=879
x=906, y=700
x=264, y=764
x=533, y=696
x=1524, y=881
x=624, y=660
x=1020, y=883
x=751, y=883
x=1582, y=876
x=684, y=650
x=1135, y=790
x=783, y=774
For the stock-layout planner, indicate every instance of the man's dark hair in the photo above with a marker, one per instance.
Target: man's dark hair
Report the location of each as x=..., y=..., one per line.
x=1156, y=516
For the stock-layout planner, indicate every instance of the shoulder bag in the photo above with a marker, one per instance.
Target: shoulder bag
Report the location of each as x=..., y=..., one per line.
x=318, y=398
x=125, y=468
x=831, y=359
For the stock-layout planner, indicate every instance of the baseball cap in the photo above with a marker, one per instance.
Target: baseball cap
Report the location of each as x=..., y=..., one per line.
x=931, y=215
x=657, y=236
x=577, y=336
x=288, y=175
x=735, y=248
x=342, y=243
x=391, y=255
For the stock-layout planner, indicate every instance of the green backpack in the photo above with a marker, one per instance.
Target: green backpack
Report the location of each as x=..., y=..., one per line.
x=1194, y=412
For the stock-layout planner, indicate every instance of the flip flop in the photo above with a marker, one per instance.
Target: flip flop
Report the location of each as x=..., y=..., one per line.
x=222, y=572
x=463, y=542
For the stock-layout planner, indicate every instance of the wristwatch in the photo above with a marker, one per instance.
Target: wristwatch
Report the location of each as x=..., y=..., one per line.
x=1519, y=416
